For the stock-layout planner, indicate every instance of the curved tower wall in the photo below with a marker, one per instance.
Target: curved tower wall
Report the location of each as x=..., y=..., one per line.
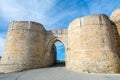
x=115, y=17
x=92, y=45
x=24, y=47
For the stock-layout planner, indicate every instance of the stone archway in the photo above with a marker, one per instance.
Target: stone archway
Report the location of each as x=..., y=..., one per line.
x=52, y=41
x=51, y=48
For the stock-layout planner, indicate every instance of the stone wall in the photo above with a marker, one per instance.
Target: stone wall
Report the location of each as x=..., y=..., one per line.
x=92, y=45
x=24, y=47
x=52, y=37
x=115, y=19
x=28, y=46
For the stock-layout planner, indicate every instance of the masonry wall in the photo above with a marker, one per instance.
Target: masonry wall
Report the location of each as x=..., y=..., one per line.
x=24, y=47
x=115, y=19
x=92, y=45
x=52, y=37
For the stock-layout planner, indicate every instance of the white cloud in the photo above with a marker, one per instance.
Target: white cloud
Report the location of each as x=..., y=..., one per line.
x=10, y=10
x=54, y=21
x=34, y=10
x=2, y=41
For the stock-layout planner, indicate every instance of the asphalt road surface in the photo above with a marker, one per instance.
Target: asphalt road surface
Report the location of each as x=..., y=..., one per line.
x=56, y=73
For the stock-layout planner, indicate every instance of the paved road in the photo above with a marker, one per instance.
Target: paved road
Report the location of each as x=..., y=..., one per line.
x=56, y=73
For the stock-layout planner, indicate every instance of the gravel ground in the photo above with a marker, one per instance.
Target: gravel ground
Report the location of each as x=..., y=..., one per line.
x=56, y=73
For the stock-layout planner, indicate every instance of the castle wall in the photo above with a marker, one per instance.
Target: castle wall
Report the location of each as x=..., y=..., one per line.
x=24, y=47
x=92, y=45
x=52, y=37
x=115, y=19
x=28, y=46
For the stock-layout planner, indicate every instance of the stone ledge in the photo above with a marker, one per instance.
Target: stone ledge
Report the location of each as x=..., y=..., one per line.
x=26, y=25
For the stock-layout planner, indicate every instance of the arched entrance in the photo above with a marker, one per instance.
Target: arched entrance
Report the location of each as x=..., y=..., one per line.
x=56, y=49
x=60, y=56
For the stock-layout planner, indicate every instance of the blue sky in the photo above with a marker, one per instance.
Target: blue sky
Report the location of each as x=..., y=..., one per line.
x=53, y=14
x=60, y=50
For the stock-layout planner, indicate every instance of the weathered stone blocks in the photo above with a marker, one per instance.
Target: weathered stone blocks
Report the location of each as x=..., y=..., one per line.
x=92, y=45
x=25, y=47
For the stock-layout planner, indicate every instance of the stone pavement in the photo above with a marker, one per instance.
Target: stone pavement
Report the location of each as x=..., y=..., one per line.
x=56, y=73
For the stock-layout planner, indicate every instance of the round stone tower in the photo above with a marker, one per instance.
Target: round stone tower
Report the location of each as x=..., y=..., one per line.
x=24, y=47
x=92, y=45
x=115, y=17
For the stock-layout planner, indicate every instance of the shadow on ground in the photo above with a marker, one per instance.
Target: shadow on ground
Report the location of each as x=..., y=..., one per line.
x=56, y=72
x=58, y=65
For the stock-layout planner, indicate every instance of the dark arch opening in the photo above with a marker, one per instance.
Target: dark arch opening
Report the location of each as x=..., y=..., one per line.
x=58, y=51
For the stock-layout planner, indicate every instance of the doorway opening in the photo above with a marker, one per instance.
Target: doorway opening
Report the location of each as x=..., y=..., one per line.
x=58, y=49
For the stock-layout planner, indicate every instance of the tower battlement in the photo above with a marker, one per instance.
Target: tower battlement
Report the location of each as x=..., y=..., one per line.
x=25, y=25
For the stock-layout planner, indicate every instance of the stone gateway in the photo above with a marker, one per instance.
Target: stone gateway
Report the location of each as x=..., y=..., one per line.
x=92, y=44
